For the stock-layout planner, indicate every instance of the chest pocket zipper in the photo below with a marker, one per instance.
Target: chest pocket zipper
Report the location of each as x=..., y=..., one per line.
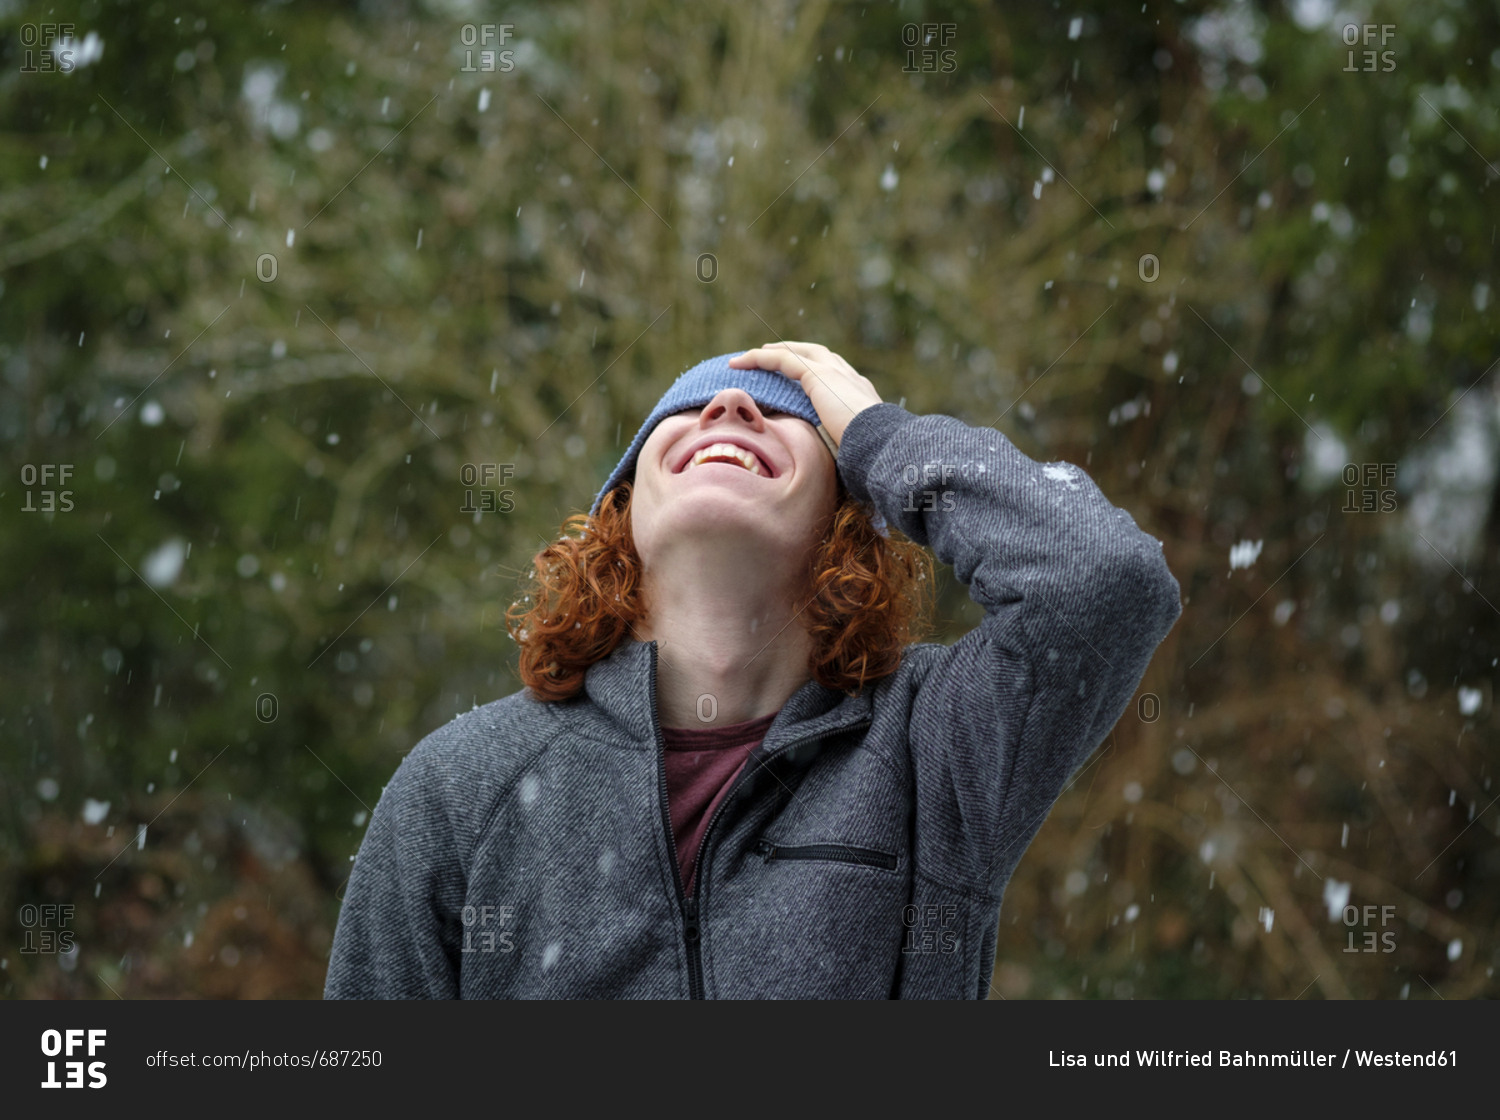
x=833, y=853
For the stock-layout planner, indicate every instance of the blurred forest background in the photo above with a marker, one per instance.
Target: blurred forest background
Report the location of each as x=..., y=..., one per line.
x=279, y=280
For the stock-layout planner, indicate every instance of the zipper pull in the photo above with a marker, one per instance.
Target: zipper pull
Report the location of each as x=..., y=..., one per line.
x=690, y=919
x=765, y=849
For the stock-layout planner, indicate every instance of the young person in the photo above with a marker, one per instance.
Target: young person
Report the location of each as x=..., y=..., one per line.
x=732, y=773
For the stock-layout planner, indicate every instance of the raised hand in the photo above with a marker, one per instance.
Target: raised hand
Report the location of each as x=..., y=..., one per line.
x=837, y=390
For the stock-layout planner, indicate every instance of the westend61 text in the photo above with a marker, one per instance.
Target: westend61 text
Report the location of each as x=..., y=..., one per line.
x=1295, y=1059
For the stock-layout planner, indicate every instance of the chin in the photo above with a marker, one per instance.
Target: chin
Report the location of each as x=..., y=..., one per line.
x=737, y=517
x=707, y=511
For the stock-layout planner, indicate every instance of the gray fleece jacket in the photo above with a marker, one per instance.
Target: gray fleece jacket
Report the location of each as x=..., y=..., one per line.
x=524, y=849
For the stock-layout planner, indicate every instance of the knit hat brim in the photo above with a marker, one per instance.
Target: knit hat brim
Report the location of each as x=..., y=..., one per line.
x=771, y=390
x=698, y=386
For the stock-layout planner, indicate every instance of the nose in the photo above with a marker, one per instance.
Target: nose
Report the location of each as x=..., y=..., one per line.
x=733, y=405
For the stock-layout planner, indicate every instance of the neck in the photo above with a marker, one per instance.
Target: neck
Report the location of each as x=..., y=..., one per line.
x=730, y=635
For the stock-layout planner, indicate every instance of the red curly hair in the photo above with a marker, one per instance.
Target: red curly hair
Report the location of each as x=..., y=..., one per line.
x=870, y=596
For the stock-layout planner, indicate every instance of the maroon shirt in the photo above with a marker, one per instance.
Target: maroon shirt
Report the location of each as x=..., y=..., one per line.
x=702, y=763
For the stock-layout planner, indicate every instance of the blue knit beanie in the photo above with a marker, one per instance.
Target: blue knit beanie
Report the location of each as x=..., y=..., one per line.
x=699, y=385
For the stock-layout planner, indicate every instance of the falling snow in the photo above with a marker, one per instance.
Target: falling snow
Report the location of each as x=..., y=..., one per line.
x=1335, y=897
x=1244, y=554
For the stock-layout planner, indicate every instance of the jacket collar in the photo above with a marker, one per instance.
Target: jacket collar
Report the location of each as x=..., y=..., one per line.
x=621, y=687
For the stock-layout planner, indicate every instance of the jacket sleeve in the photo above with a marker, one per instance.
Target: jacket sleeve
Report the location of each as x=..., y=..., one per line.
x=399, y=934
x=1076, y=599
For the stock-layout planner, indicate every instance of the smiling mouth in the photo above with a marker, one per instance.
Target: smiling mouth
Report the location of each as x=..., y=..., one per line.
x=731, y=454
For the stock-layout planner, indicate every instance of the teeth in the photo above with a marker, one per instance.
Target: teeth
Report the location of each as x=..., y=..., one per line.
x=727, y=451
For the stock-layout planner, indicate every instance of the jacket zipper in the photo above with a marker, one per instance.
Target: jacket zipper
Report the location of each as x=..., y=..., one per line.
x=691, y=932
x=837, y=853
x=692, y=929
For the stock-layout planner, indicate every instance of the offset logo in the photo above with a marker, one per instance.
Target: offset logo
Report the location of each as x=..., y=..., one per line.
x=45, y=928
x=490, y=60
x=52, y=498
x=490, y=500
x=66, y=1044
